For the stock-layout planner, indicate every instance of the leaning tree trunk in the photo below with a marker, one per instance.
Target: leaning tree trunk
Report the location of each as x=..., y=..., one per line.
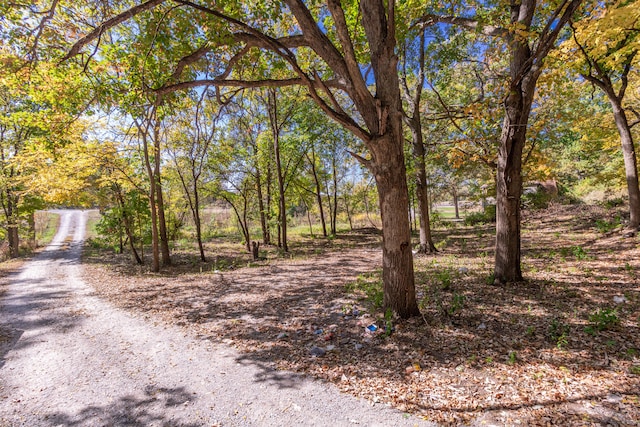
x=197, y=220
x=630, y=163
x=127, y=226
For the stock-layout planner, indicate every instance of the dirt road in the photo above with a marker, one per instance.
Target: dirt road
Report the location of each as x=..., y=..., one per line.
x=72, y=359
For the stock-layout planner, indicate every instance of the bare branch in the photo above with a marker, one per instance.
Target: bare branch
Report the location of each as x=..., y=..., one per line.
x=635, y=113
x=364, y=162
x=245, y=84
x=108, y=24
x=48, y=16
x=190, y=59
x=470, y=23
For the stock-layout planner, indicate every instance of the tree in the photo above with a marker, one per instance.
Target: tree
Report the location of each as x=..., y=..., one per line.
x=40, y=105
x=190, y=146
x=530, y=34
x=609, y=44
x=322, y=52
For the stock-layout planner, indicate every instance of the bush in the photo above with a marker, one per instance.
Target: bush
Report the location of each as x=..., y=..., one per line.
x=602, y=320
x=536, y=199
x=486, y=217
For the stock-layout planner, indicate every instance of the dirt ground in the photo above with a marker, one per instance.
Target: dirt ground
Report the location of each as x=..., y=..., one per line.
x=562, y=348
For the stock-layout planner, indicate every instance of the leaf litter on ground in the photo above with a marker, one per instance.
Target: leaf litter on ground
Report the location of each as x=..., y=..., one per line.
x=522, y=354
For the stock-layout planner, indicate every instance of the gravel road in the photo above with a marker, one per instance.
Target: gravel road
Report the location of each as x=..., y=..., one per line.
x=72, y=359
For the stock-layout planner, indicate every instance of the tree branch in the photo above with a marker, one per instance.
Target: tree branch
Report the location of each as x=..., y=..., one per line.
x=470, y=23
x=108, y=24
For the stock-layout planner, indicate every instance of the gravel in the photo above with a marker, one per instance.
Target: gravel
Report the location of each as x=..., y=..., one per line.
x=68, y=358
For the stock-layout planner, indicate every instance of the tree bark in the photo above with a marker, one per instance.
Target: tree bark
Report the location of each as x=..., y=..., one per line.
x=630, y=163
x=264, y=226
x=525, y=67
x=162, y=223
x=155, y=245
x=127, y=226
x=422, y=190
x=456, y=201
x=282, y=206
x=386, y=145
x=334, y=217
x=13, y=237
x=397, y=257
x=195, y=210
x=31, y=219
x=316, y=180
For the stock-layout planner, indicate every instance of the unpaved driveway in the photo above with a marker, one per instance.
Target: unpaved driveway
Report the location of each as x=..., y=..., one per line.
x=71, y=359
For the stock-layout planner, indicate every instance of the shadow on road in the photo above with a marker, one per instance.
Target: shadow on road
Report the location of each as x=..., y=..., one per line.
x=149, y=409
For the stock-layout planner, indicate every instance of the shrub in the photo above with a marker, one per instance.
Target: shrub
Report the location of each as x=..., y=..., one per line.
x=603, y=319
x=485, y=217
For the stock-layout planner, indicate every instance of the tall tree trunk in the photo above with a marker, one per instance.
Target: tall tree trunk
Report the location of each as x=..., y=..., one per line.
x=509, y=186
x=456, y=207
x=334, y=214
x=525, y=67
x=630, y=162
x=282, y=206
x=155, y=245
x=127, y=227
x=264, y=225
x=10, y=206
x=316, y=180
x=162, y=223
x=31, y=220
x=197, y=220
x=422, y=189
x=397, y=257
x=269, y=181
x=330, y=205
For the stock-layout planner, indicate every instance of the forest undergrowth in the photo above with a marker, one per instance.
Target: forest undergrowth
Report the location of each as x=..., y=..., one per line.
x=561, y=348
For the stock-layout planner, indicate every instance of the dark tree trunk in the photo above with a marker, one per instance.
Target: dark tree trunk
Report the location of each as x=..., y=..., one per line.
x=422, y=190
x=334, y=214
x=14, y=238
x=198, y=224
x=525, y=66
x=508, y=192
x=456, y=204
x=509, y=170
x=630, y=164
x=31, y=220
x=397, y=257
x=127, y=226
x=282, y=206
x=155, y=245
x=269, y=181
x=419, y=154
x=318, y=193
x=264, y=226
x=162, y=223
